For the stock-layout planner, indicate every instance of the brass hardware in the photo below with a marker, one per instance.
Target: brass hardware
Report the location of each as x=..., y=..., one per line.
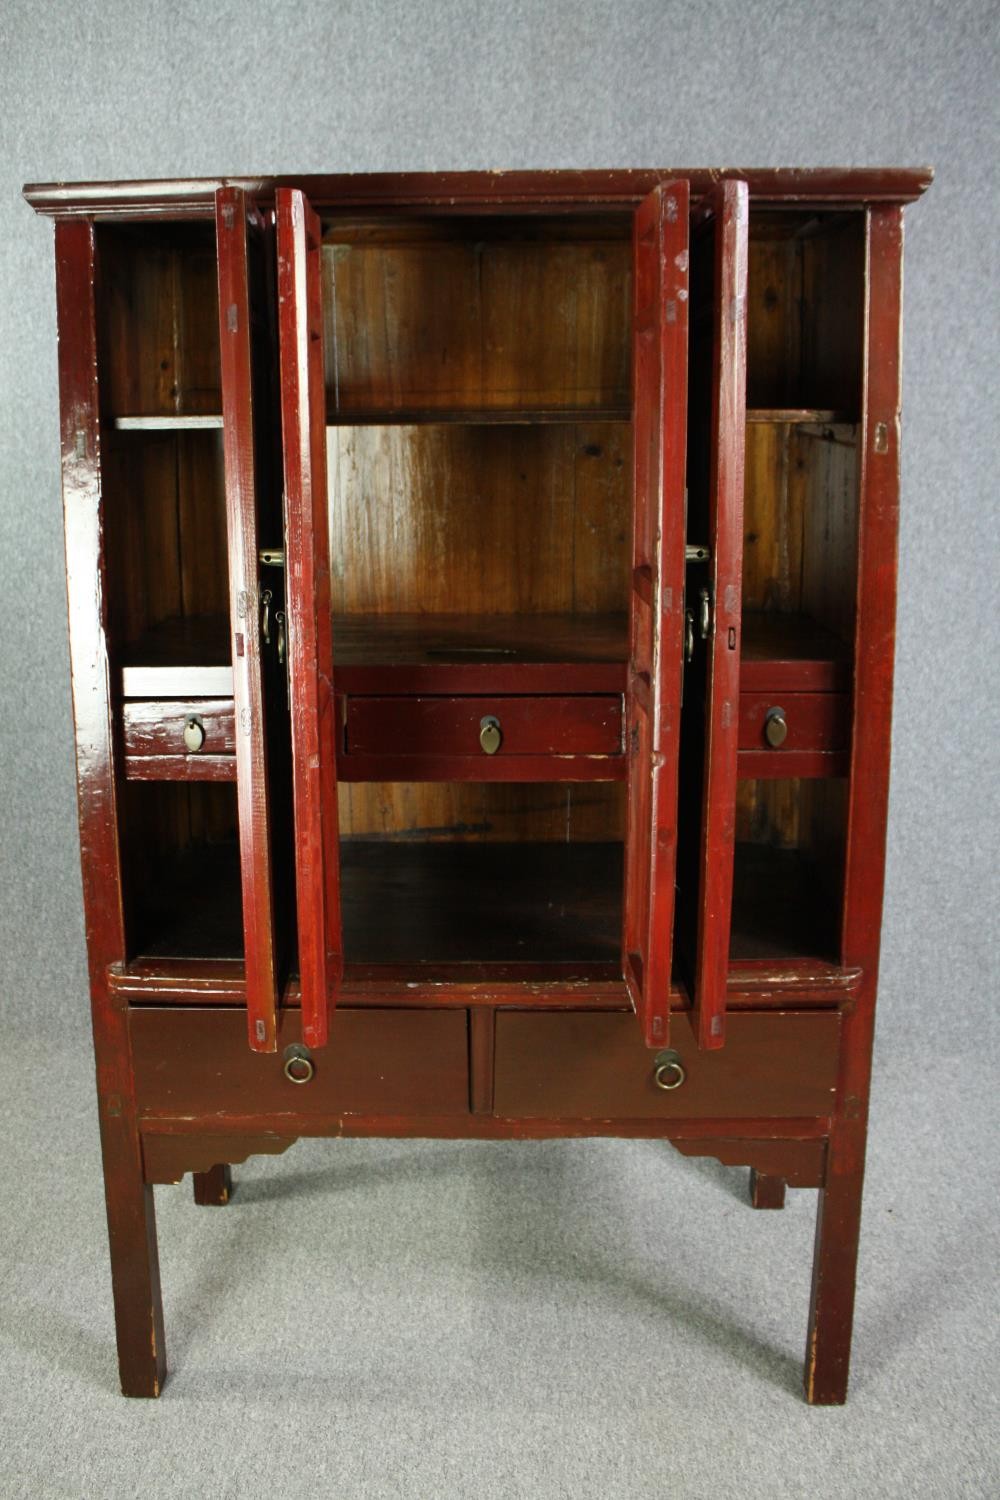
x=775, y=728
x=704, y=613
x=194, y=734
x=299, y=1066
x=668, y=1070
x=688, y=635
x=265, y=616
x=280, y=619
x=271, y=557
x=696, y=554
x=490, y=734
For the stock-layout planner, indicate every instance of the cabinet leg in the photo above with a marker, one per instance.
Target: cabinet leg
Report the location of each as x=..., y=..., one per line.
x=831, y=1316
x=135, y=1267
x=213, y=1188
x=766, y=1191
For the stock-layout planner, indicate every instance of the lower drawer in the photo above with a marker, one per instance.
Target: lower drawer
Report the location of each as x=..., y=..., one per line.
x=190, y=739
x=805, y=721
x=197, y=1063
x=580, y=724
x=593, y=1066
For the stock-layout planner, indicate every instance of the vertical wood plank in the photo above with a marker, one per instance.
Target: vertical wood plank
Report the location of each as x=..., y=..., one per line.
x=728, y=439
x=231, y=224
x=482, y=1033
x=660, y=330
x=307, y=583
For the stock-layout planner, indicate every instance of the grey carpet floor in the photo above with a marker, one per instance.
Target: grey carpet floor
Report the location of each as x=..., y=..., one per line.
x=437, y=1319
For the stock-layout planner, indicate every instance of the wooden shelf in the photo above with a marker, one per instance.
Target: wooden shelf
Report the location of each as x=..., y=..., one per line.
x=481, y=653
x=168, y=422
x=781, y=907
x=404, y=653
x=475, y=416
x=406, y=417
x=413, y=902
x=791, y=653
x=798, y=416
x=183, y=657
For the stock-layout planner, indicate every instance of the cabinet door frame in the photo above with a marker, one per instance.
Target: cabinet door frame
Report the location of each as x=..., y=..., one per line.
x=236, y=217
x=308, y=608
x=656, y=609
x=729, y=211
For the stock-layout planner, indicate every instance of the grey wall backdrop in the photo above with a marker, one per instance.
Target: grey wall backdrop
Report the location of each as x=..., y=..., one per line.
x=131, y=90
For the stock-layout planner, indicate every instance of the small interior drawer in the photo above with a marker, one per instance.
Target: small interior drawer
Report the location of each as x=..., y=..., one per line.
x=155, y=729
x=578, y=724
x=813, y=721
x=194, y=1063
x=587, y=1065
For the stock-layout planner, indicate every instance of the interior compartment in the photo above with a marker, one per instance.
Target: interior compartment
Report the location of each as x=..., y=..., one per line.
x=473, y=872
x=479, y=519
x=501, y=315
x=181, y=870
x=800, y=538
x=167, y=554
x=788, y=869
x=804, y=382
x=158, y=321
x=805, y=311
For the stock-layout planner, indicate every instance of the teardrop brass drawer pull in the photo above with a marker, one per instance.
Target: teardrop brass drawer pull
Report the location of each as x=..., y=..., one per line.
x=490, y=734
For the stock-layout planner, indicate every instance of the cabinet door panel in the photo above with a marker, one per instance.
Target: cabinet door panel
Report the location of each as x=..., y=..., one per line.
x=660, y=331
x=710, y=727
x=243, y=324
x=307, y=587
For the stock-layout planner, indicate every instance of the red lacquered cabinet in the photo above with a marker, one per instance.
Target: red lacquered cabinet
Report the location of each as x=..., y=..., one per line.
x=481, y=595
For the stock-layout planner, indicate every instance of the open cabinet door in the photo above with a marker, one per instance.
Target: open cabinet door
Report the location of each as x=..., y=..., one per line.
x=652, y=707
x=307, y=594
x=249, y=423
x=710, y=723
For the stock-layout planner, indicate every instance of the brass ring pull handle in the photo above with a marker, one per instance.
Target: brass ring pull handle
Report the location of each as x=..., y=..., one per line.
x=490, y=734
x=668, y=1070
x=299, y=1066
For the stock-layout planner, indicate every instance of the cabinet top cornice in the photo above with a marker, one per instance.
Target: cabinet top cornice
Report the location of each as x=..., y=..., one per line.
x=477, y=191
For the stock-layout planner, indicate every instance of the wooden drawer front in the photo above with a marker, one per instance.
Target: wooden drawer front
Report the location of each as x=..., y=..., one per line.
x=583, y=724
x=816, y=721
x=197, y=1064
x=593, y=1066
x=154, y=739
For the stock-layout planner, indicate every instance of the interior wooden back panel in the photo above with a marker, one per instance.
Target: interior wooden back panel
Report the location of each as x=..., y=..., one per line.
x=827, y=461
x=160, y=821
x=800, y=520
x=159, y=342
x=491, y=812
x=165, y=530
x=479, y=519
x=804, y=311
x=481, y=313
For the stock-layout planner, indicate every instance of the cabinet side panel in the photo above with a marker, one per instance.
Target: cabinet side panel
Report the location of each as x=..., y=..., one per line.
x=131, y=1223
